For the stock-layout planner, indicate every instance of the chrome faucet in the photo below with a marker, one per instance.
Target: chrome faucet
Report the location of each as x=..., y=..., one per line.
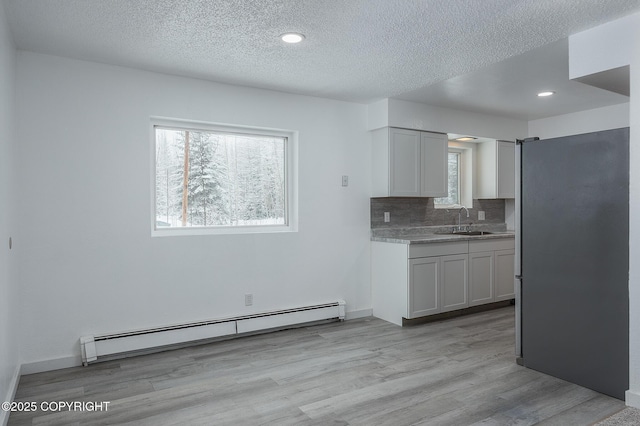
x=459, y=213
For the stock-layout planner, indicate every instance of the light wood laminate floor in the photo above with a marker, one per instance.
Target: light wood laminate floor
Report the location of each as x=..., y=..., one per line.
x=369, y=372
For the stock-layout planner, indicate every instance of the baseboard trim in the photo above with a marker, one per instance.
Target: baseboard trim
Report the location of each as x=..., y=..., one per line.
x=632, y=399
x=363, y=313
x=50, y=365
x=11, y=394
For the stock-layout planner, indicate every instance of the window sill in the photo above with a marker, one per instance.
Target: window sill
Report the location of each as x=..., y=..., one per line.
x=448, y=206
x=222, y=230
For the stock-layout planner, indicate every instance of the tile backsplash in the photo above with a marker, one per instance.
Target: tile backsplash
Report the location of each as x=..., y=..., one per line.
x=410, y=212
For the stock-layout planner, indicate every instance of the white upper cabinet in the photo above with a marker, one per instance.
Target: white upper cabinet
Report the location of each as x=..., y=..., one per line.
x=506, y=169
x=405, y=164
x=434, y=164
x=409, y=163
x=496, y=176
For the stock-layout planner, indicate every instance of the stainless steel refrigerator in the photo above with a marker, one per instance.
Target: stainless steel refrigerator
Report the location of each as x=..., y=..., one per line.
x=573, y=269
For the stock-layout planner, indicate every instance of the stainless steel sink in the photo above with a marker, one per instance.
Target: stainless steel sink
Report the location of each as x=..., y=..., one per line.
x=464, y=233
x=471, y=233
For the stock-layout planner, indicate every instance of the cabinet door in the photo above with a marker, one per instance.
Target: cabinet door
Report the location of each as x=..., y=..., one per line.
x=481, y=278
x=424, y=294
x=506, y=170
x=504, y=281
x=454, y=287
x=434, y=165
x=404, y=158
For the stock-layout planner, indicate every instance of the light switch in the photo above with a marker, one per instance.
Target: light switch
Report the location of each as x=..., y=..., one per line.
x=345, y=180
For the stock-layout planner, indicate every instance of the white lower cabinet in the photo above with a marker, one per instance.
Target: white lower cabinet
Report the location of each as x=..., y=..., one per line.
x=437, y=284
x=417, y=280
x=424, y=292
x=454, y=284
x=491, y=271
x=481, y=278
x=504, y=282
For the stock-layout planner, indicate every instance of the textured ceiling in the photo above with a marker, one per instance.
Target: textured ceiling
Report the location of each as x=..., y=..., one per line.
x=356, y=50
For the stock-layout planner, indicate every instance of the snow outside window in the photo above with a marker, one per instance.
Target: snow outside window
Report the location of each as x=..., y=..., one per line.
x=453, y=187
x=220, y=180
x=460, y=177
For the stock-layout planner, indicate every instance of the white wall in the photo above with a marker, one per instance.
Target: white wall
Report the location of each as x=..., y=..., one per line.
x=593, y=120
x=87, y=262
x=9, y=345
x=602, y=48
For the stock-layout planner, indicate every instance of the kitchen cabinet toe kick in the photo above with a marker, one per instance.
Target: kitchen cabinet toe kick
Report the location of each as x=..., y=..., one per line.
x=457, y=313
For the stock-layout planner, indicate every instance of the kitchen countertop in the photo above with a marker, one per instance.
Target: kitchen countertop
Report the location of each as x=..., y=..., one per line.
x=426, y=235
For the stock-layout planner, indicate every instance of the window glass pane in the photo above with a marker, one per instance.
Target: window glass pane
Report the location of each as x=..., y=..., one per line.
x=208, y=179
x=454, y=181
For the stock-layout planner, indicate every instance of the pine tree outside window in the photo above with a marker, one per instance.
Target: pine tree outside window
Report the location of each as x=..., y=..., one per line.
x=221, y=179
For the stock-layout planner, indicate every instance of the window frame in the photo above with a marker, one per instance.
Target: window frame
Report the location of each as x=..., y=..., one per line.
x=465, y=176
x=290, y=171
x=458, y=153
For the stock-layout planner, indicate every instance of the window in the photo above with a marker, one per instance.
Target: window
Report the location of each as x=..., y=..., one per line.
x=222, y=179
x=453, y=167
x=460, y=172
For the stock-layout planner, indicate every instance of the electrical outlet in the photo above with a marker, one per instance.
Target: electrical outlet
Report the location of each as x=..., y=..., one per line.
x=387, y=217
x=480, y=215
x=248, y=299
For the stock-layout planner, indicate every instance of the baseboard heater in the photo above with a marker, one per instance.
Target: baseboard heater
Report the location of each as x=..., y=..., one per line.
x=93, y=347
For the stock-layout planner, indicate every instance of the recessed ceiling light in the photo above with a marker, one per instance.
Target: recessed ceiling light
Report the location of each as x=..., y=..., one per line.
x=292, y=37
x=547, y=93
x=466, y=139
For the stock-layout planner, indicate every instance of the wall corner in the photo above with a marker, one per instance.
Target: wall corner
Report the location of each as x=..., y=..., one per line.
x=378, y=114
